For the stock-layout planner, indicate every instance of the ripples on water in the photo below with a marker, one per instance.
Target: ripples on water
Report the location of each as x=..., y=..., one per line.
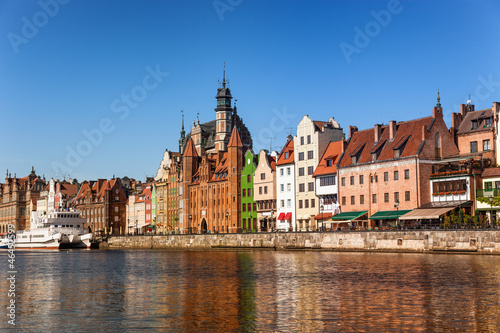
x=225, y=291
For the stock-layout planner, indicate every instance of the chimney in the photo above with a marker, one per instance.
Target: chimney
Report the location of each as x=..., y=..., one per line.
x=352, y=130
x=392, y=129
x=377, y=131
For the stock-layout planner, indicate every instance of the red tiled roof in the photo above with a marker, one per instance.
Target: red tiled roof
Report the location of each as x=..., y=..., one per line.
x=272, y=162
x=491, y=172
x=235, y=140
x=190, y=149
x=332, y=152
x=287, y=148
x=362, y=142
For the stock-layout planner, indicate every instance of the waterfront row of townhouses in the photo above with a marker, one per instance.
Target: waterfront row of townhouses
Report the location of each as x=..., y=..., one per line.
x=408, y=173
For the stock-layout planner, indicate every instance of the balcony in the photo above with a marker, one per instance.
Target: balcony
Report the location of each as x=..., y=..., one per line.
x=492, y=192
x=449, y=174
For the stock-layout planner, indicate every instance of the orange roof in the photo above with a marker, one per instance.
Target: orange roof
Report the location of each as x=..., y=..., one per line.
x=407, y=134
x=272, y=162
x=235, y=140
x=332, y=153
x=190, y=149
x=288, y=148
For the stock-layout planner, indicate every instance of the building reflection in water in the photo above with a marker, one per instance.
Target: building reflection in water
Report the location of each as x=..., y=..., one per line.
x=247, y=291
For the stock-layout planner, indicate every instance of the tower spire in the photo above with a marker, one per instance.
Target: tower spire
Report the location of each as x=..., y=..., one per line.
x=224, y=76
x=438, y=100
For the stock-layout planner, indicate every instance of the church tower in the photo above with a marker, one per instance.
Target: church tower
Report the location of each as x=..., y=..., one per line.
x=223, y=116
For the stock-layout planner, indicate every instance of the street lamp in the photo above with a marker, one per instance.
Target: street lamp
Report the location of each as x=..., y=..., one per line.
x=396, y=205
x=227, y=226
x=271, y=219
x=321, y=207
x=491, y=213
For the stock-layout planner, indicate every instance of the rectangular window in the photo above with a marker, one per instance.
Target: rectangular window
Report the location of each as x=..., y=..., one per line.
x=361, y=180
x=352, y=180
x=282, y=172
x=282, y=187
x=474, y=124
x=244, y=192
x=301, y=140
x=343, y=201
x=407, y=195
x=300, y=203
x=260, y=189
x=488, y=185
x=288, y=172
x=302, y=187
x=313, y=203
x=473, y=147
x=497, y=184
x=326, y=181
x=487, y=122
x=306, y=203
x=343, y=181
x=353, y=201
x=361, y=199
x=287, y=155
x=301, y=156
x=310, y=186
x=386, y=197
x=308, y=139
x=249, y=192
x=288, y=187
x=374, y=198
x=396, y=196
x=262, y=176
x=329, y=163
x=396, y=175
x=265, y=189
x=282, y=203
x=386, y=176
x=244, y=207
x=289, y=202
x=407, y=173
x=310, y=155
x=486, y=145
x=301, y=171
x=310, y=170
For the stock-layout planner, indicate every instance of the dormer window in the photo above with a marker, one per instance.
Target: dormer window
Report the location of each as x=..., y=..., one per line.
x=329, y=163
x=354, y=159
x=474, y=124
x=487, y=122
x=286, y=155
x=397, y=153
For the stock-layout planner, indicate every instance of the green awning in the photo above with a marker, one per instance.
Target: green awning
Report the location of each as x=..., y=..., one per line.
x=388, y=214
x=348, y=215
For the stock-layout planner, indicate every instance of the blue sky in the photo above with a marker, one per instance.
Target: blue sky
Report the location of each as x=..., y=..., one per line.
x=65, y=67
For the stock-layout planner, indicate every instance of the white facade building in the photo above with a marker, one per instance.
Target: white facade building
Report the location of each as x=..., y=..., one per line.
x=285, y=188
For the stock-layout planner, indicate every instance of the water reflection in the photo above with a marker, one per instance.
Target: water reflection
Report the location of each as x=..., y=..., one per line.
x=214, y=291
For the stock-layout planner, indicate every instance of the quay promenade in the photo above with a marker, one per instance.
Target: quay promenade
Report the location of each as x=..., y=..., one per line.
x=472, y=241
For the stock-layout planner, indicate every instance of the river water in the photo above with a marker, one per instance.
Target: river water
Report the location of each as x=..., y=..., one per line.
x=251, y=291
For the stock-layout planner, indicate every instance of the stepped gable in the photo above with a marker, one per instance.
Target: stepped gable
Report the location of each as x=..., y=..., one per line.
x=407, y=135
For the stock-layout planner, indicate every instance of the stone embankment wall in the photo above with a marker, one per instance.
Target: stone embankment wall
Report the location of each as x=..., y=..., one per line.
x=473, y=241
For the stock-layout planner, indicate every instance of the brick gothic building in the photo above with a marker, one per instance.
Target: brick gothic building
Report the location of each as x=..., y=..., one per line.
x=18, y=197
x=390, y=165
x=212, y=161
x=102, y=203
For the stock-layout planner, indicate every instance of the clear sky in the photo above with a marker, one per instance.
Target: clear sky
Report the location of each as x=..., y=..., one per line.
x=91, y=89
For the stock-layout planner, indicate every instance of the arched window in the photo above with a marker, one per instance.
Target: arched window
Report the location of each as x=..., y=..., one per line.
x=437, y=143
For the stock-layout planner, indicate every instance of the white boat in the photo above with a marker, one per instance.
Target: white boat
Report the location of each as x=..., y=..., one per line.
x=58, y=229
x=4, y=241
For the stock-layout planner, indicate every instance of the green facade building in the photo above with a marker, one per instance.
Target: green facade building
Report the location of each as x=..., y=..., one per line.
x=248, y=204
